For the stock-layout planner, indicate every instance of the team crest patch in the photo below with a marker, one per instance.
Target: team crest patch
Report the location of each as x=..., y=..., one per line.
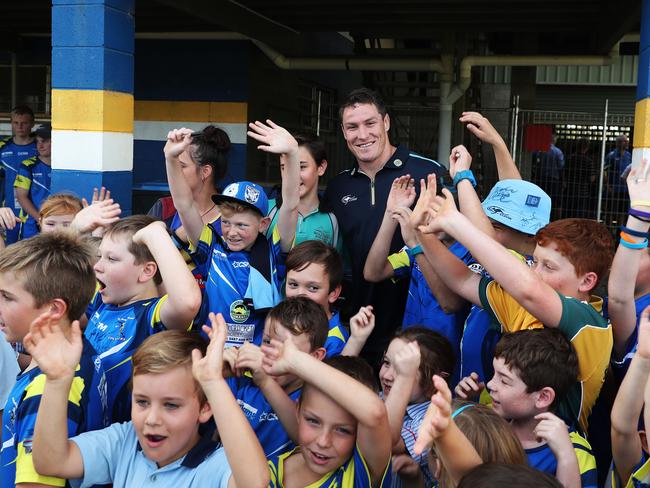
x=532, y=201
x=251, y=195
x=239, y=312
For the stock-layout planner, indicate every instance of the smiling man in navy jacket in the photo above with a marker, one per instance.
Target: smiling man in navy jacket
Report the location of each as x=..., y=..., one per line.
x=358, y=199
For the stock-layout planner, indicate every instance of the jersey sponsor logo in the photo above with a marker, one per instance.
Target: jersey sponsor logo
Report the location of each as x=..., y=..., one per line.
x=239, y=311
x=347, y=199
x=240, y=264
x=268, y=417
x=102, y=326
x=27, y=445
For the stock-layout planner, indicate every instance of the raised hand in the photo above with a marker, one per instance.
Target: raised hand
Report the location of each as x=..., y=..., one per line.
x=101, y=213
x=428, y=189
x=250, y=358
x=230, y=361
x=154, y=228
x=57, y=355
x=209, y=369
x=441, y=208
x=8, y=219
x=470, y=387
x=403, y=217
x=552, y=430
x=278, y=356
x=362, y=323
x=402, y=193
x=437, y=419
x=459, y=160
x=407, y=360
x=178, y=140
x=274, y=139
x=480, y=127
x=98, y=196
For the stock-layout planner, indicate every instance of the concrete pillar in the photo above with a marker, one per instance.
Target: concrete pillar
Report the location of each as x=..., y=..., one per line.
x=92, y=97
x=641, y=141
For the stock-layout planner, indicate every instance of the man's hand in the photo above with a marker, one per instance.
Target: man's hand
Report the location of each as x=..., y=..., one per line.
x=480, y=127
x=428, y=189
x=459, y=160
x=403, y=217
x=178, y=140
x=57, y=355
x=469, y=388
x=402, y=193
x=209, y=369
x=274, y=139
x=441, y=210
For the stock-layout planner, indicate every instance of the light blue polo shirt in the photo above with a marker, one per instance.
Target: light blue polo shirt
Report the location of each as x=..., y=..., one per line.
x=113, y=455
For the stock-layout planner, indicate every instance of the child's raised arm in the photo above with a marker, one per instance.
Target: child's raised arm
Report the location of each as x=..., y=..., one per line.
x=482, y=128
x=626, y=444
x=57, y=356
x=406, y=363
x=516, y=278
x=439, y=429
x=552, y=430
x=183, y=293
x=468, y=201
x=178, y=140
x=277, y=140
x=373, y=432
x=361, y=326
x=99, y=214
x=377, y=267
x=623, y=275
x=243, y=450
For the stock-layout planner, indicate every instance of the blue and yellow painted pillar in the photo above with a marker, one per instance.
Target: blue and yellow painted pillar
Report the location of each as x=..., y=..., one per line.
x=641, y=141
x=92, y=97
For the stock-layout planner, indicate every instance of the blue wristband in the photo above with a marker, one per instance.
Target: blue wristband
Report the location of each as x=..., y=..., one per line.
x=415, y=250
x=631, y=245
x=465, y=175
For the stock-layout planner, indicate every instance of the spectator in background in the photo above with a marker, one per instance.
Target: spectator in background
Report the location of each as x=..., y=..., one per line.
x=617, y=164
x=547, y=171
x=580, y=188
x=13, y=151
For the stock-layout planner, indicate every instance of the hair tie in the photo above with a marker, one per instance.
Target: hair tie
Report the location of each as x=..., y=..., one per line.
x=459, y=410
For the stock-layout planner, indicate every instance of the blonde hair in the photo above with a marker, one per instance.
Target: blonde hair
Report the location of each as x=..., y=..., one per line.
x=53, y=265
x=491, y=436
x=60, y=204
x=229, y=208
x=167, y=350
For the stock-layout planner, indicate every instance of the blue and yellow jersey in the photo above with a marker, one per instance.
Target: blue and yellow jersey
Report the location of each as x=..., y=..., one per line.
x=621, y=364
x=11, y=155
x=35, y=177
x=184, y=248
x=316, y=225
x=115, y=333
x=583, y=325
x=352, y=474
x=422, y=307
x=86, y=411
x=543, y=459
x=640, y=477
x=241, y=285
x=263, y=419
x=336, y=337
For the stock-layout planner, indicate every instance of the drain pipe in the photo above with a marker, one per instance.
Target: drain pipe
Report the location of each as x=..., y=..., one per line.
x=350, y=63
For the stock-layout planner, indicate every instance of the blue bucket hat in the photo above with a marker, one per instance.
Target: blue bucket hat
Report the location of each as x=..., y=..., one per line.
x=247, y=193
x=518, y=204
